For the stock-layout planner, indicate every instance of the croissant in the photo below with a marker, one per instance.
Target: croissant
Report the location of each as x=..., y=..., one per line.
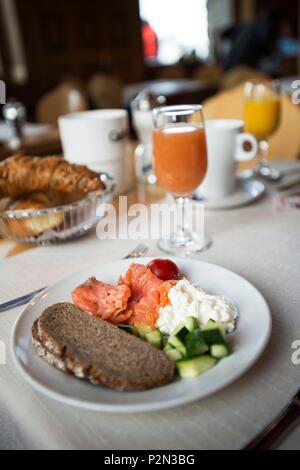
x=23, y=174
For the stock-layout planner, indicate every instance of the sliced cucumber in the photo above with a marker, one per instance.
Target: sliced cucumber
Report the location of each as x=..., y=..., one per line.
x=178, y=344
x=213, y=334
x=181, y=331
x=211, y=325
x=174, y=355
x=191, y=324
x=155, y=338
x=218, y=351
x=142, y=331
x=168, y=347
x=191, y=368
x=195, y=344
x=127, y=328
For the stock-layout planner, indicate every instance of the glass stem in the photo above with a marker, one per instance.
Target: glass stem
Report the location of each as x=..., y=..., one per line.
x=183, y=234
x=263, y=147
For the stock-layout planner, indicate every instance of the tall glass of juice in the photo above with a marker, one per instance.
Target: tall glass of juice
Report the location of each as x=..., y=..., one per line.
x=262, y=118
x=180, y=164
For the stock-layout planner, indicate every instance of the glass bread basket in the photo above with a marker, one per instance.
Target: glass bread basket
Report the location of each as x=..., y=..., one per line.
x=57, y=224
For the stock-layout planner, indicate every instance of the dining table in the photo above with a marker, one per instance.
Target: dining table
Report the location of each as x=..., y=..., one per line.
x=37, y=139
x=259, y=242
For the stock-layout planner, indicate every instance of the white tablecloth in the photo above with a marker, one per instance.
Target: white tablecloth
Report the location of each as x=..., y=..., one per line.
x=257, y=243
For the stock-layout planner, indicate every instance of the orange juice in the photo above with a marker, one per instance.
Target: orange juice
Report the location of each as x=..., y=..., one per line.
x=180, y=158
x=262, y=116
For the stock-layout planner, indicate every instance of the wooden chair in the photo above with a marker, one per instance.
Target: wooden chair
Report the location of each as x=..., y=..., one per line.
x=65, y=99
x=105, y=91
x=241, y=74
x=212, y=74
x=171, y=72
x=285, y=143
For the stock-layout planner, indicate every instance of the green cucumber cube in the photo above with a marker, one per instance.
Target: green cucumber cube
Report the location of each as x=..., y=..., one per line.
x=177, y=344
x=142, y=331
x=181, y=331
x=191, y=368
x=219, y=351
x=174, y=355
x=191, y=324
x=195, y=344
x=213, y=335
x=211, y=325
x=127, y=328
x=154, y=338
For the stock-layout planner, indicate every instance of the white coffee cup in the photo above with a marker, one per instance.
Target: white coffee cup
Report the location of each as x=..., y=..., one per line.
x=99, y=140
x=227, y=145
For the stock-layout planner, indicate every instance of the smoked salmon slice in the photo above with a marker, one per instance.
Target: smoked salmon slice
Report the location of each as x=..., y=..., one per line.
x=148, y=294
x=141, y=281
x=103, y=300
x=145, y=312
x=135, y=300
x=164, y=292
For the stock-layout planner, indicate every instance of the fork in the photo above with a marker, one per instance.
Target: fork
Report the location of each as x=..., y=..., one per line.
x=276, y=429
x=138, y=252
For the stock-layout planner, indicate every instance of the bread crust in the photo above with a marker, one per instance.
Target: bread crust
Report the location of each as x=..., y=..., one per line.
x=43, y=351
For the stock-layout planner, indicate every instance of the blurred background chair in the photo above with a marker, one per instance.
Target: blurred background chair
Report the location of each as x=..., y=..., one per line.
x=105, y=91
x=285, y=143
x=171, y=72
x=212, y=74
x=64, y=99
x=241, y=74
x=176, y=91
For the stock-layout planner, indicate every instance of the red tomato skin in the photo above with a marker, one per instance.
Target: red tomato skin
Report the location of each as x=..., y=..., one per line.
x=165, y=269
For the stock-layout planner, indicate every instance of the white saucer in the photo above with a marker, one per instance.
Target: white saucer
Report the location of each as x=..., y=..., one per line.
x=247, y=191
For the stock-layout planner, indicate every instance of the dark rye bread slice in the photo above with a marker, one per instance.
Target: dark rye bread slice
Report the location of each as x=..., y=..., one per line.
x=90, y=348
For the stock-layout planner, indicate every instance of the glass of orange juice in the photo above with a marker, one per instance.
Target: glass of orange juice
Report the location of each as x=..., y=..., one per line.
x=262, y=118
x=180, y=164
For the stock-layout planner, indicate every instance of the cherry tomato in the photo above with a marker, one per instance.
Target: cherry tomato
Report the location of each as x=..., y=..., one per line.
x=165, y=269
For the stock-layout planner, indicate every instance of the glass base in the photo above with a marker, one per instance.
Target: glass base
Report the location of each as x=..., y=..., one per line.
x=190, y=246
x=269, y=173
x=266, y=172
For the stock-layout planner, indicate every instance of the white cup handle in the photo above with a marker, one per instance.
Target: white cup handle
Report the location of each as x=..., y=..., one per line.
x=246, y=147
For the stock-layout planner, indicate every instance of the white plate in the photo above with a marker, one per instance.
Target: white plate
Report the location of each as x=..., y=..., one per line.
x=247, y=191
x=254, y=327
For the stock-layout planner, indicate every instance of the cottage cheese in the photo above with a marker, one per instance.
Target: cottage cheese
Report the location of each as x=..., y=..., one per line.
x=189, y=300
